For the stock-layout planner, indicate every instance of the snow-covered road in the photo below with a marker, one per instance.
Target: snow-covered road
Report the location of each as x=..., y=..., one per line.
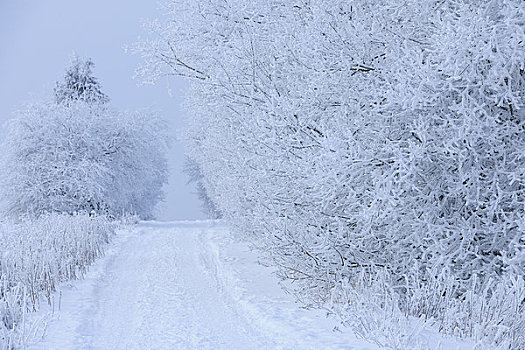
x=158, y=294
x=184, y=286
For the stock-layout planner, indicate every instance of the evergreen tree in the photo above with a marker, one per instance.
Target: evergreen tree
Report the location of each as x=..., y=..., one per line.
x=80, y=84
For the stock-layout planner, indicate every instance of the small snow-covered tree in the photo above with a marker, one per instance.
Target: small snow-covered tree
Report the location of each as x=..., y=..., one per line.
x=193, y=170
x=79, y=84
x=76, y=154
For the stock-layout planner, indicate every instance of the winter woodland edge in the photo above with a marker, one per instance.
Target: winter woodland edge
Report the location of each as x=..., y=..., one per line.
x=373, y=149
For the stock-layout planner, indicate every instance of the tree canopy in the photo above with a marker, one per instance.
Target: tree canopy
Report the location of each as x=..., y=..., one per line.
x=77, y=154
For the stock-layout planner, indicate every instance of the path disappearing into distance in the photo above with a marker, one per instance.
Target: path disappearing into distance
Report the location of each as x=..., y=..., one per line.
x=182, y=285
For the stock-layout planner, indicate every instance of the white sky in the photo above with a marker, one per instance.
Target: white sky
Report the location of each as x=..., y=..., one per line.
x=37, y=39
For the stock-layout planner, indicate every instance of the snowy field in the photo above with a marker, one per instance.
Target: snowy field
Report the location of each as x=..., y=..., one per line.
x=187, y=285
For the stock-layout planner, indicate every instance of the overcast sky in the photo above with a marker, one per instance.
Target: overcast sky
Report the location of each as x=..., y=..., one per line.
x=37, y=39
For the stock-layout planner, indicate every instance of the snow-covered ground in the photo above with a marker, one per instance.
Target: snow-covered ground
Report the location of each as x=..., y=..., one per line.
x=186, y=285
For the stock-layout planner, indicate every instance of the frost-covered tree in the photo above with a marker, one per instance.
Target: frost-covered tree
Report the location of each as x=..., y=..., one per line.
x=366, y=138
x=76, y=154
x=79, y=84
x=193, y=170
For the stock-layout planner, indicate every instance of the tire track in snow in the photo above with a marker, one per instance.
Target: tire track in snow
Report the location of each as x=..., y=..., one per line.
x=153, y=292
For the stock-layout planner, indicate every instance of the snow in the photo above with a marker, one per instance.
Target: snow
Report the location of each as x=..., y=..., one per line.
x=185, y=285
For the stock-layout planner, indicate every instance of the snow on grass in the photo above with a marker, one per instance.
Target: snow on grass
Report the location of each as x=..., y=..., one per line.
x=37, y=255
x=256, y=289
